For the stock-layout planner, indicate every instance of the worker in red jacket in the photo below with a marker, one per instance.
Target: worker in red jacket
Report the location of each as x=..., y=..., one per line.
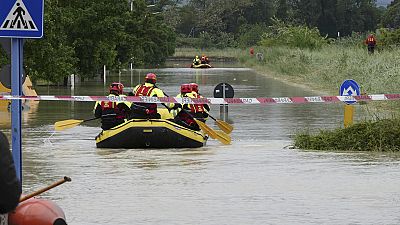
x=371, y=43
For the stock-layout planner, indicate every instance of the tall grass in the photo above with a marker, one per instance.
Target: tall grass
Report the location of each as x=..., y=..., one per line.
x=381, y=135
x=326, y=69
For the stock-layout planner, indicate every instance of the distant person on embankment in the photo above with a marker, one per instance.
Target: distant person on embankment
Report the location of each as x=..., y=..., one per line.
x=10, y=188
x=371, y=43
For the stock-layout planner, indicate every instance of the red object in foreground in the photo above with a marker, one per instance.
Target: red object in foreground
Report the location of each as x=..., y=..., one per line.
x=37, y=212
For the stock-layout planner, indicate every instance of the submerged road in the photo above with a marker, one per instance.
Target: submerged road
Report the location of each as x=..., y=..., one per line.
x=256, y=180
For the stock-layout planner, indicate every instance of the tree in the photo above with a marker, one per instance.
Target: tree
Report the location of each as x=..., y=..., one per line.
x=82, y=36
x=4, y=60
x=391, y=17
x=282, y=11
x=50, y=58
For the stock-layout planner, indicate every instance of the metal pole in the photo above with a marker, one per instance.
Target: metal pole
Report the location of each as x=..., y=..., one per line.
x=131, y=75
x=72, y=81
x=16, y=90
x=104, y=75
x=72, y=92
x=225, y=106
x=131, y=5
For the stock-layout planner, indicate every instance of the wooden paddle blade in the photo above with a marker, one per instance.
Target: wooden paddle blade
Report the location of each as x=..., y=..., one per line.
x=208, y=130
x=224, y=126
x=223, y=138
x=66, y=124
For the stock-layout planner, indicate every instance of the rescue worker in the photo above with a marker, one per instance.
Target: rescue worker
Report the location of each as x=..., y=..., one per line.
x=371, y=43
x=112, y=113
x=187, y=112
x=204, y=59
x=10, y=188
x=196, y=61
x=201, y=115
x=149, y=88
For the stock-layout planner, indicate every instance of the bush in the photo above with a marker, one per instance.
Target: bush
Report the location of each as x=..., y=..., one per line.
x=356, y=39
x=389, y=38
x=282, y=34
x=250, y=35
x=184, y=42
x=381, y=135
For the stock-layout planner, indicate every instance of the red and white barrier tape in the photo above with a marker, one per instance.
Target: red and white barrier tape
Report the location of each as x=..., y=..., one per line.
x=212, y=101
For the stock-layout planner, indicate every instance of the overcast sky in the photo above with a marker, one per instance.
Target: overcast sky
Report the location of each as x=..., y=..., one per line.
x=383, y=2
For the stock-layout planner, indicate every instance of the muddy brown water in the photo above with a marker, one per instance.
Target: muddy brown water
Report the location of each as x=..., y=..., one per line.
x=255, y=180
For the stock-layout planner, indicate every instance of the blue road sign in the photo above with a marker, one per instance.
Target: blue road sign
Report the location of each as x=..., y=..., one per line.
x=21, y=18
x=349, y=88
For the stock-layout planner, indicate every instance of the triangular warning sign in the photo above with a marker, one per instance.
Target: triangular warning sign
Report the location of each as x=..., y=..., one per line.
x=19, y=19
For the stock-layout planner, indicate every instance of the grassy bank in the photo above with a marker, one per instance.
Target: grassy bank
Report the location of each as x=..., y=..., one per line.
x=381, y=135
x=326, y=69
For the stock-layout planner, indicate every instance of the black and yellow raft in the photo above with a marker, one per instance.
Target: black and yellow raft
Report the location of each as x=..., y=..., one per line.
x=150, y=133
x=201, y=66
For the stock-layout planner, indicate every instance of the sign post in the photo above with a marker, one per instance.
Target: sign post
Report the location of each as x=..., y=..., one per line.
x=349, y=88
x=19, y=20
x=223, y=90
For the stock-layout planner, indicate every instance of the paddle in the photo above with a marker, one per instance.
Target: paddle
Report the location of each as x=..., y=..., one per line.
x=66, y=124
x=224, y=126
x=220, y=136
x=223, y=138
x=38, y=192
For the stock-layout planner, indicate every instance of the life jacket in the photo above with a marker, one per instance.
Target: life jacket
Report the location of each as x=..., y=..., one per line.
x=146, y=91
x=195, y=108
x=196, y=61
x=371, y=40
x=110, y=109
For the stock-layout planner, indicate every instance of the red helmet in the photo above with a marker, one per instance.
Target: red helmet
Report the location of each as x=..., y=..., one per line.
x=116, y=88
x=151, y=78
x=185, y=88
x=194, y=87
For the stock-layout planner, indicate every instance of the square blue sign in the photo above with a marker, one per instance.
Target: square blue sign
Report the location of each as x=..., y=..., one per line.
x=21, y=18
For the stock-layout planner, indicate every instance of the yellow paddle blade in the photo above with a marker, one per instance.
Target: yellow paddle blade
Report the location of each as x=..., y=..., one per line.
x=224, y=138
x=224, y=126
x=208, y=130
x=66, y=124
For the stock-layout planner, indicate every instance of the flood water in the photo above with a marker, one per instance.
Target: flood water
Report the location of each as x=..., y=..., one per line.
x=257, y=179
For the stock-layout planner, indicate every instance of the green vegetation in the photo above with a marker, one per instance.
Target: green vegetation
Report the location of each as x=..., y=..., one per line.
x=241, y=23
x=380, y=135
x=82, y=36
x=298, y=36
x=4, y=60
x=324, y=67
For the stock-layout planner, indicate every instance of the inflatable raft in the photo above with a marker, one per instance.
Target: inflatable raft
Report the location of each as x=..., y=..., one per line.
x=151, y=133
x=201, y=66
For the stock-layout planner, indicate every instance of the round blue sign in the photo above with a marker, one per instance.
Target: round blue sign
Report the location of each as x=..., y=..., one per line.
x=349, y=88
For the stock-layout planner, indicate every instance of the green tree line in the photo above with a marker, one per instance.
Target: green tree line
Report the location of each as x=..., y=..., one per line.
x=221, y=23
x=80, y=36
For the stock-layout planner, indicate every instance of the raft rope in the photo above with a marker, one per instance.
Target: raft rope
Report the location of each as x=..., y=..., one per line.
x=212, y=101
